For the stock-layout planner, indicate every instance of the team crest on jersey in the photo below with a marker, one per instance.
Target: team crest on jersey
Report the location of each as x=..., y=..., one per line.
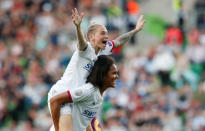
x=109, y=43
x=88, y=67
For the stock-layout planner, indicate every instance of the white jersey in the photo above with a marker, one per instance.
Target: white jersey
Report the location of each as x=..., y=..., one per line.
x=87, y=101
x=78, y=69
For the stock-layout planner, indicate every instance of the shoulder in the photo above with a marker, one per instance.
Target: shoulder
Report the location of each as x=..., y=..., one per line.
x=88, y=45
x=85, y=89
x=82, y=93
x=89, y=87
x=87, y=52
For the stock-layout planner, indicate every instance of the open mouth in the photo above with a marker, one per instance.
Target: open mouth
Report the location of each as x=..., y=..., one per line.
x=104, y=41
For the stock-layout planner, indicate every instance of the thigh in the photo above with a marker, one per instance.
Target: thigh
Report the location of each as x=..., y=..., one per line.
x=65, y=122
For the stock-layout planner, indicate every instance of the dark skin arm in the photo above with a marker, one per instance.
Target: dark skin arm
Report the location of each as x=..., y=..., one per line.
x=55, y=104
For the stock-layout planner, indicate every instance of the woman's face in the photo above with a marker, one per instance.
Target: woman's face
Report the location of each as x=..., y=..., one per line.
x=111, y=77
x=101, y=37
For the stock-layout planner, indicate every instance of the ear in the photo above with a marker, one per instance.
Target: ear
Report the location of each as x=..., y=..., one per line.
x=91, y=37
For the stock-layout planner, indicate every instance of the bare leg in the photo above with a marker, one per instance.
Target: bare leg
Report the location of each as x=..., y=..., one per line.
x=65, y=123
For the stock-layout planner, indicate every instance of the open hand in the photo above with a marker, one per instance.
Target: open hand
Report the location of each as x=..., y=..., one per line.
x=140, y=23
x=76, y=17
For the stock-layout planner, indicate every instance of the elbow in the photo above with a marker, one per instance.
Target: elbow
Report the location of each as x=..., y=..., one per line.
x=53, y=100
x=56, y=100
x=59, y=99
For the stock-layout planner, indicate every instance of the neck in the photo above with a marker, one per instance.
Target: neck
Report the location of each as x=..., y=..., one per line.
x=97, y=49
x=102, y=90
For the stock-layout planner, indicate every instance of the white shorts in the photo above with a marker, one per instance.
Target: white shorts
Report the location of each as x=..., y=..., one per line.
x=65, y=108
x=52, y=128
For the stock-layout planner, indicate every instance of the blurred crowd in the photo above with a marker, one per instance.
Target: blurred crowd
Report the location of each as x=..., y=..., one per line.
x=161, y=88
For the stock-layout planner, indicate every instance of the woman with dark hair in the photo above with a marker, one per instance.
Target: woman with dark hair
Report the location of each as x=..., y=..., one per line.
x=88, y=98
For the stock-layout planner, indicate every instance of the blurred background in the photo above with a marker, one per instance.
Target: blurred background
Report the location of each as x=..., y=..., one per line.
x=162, y=68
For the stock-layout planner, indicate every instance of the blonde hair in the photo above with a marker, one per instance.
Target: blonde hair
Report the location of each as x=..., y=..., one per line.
x=92, y=28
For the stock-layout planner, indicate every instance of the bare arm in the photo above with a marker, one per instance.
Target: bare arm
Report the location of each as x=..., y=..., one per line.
x=77, y=19
x=124, y=38
x=55, y=104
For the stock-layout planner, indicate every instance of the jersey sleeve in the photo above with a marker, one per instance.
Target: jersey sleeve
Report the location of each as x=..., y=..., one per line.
x=80, y=94
x=86, y=52
x=109, y=47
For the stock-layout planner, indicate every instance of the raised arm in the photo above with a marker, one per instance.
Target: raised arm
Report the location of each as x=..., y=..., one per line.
x=124, y=38
x=55, y=104
x=77, y=19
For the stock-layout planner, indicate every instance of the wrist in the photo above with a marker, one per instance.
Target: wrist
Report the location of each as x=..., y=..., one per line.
x=77, y=26
x=136, y=30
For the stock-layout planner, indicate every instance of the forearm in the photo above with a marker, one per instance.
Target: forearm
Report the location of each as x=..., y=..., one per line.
x=55, y=113
x=82, y=44
x=124, y=38
x=55, y=104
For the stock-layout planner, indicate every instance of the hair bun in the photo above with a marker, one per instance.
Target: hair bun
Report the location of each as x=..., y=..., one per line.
x=93, y=22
